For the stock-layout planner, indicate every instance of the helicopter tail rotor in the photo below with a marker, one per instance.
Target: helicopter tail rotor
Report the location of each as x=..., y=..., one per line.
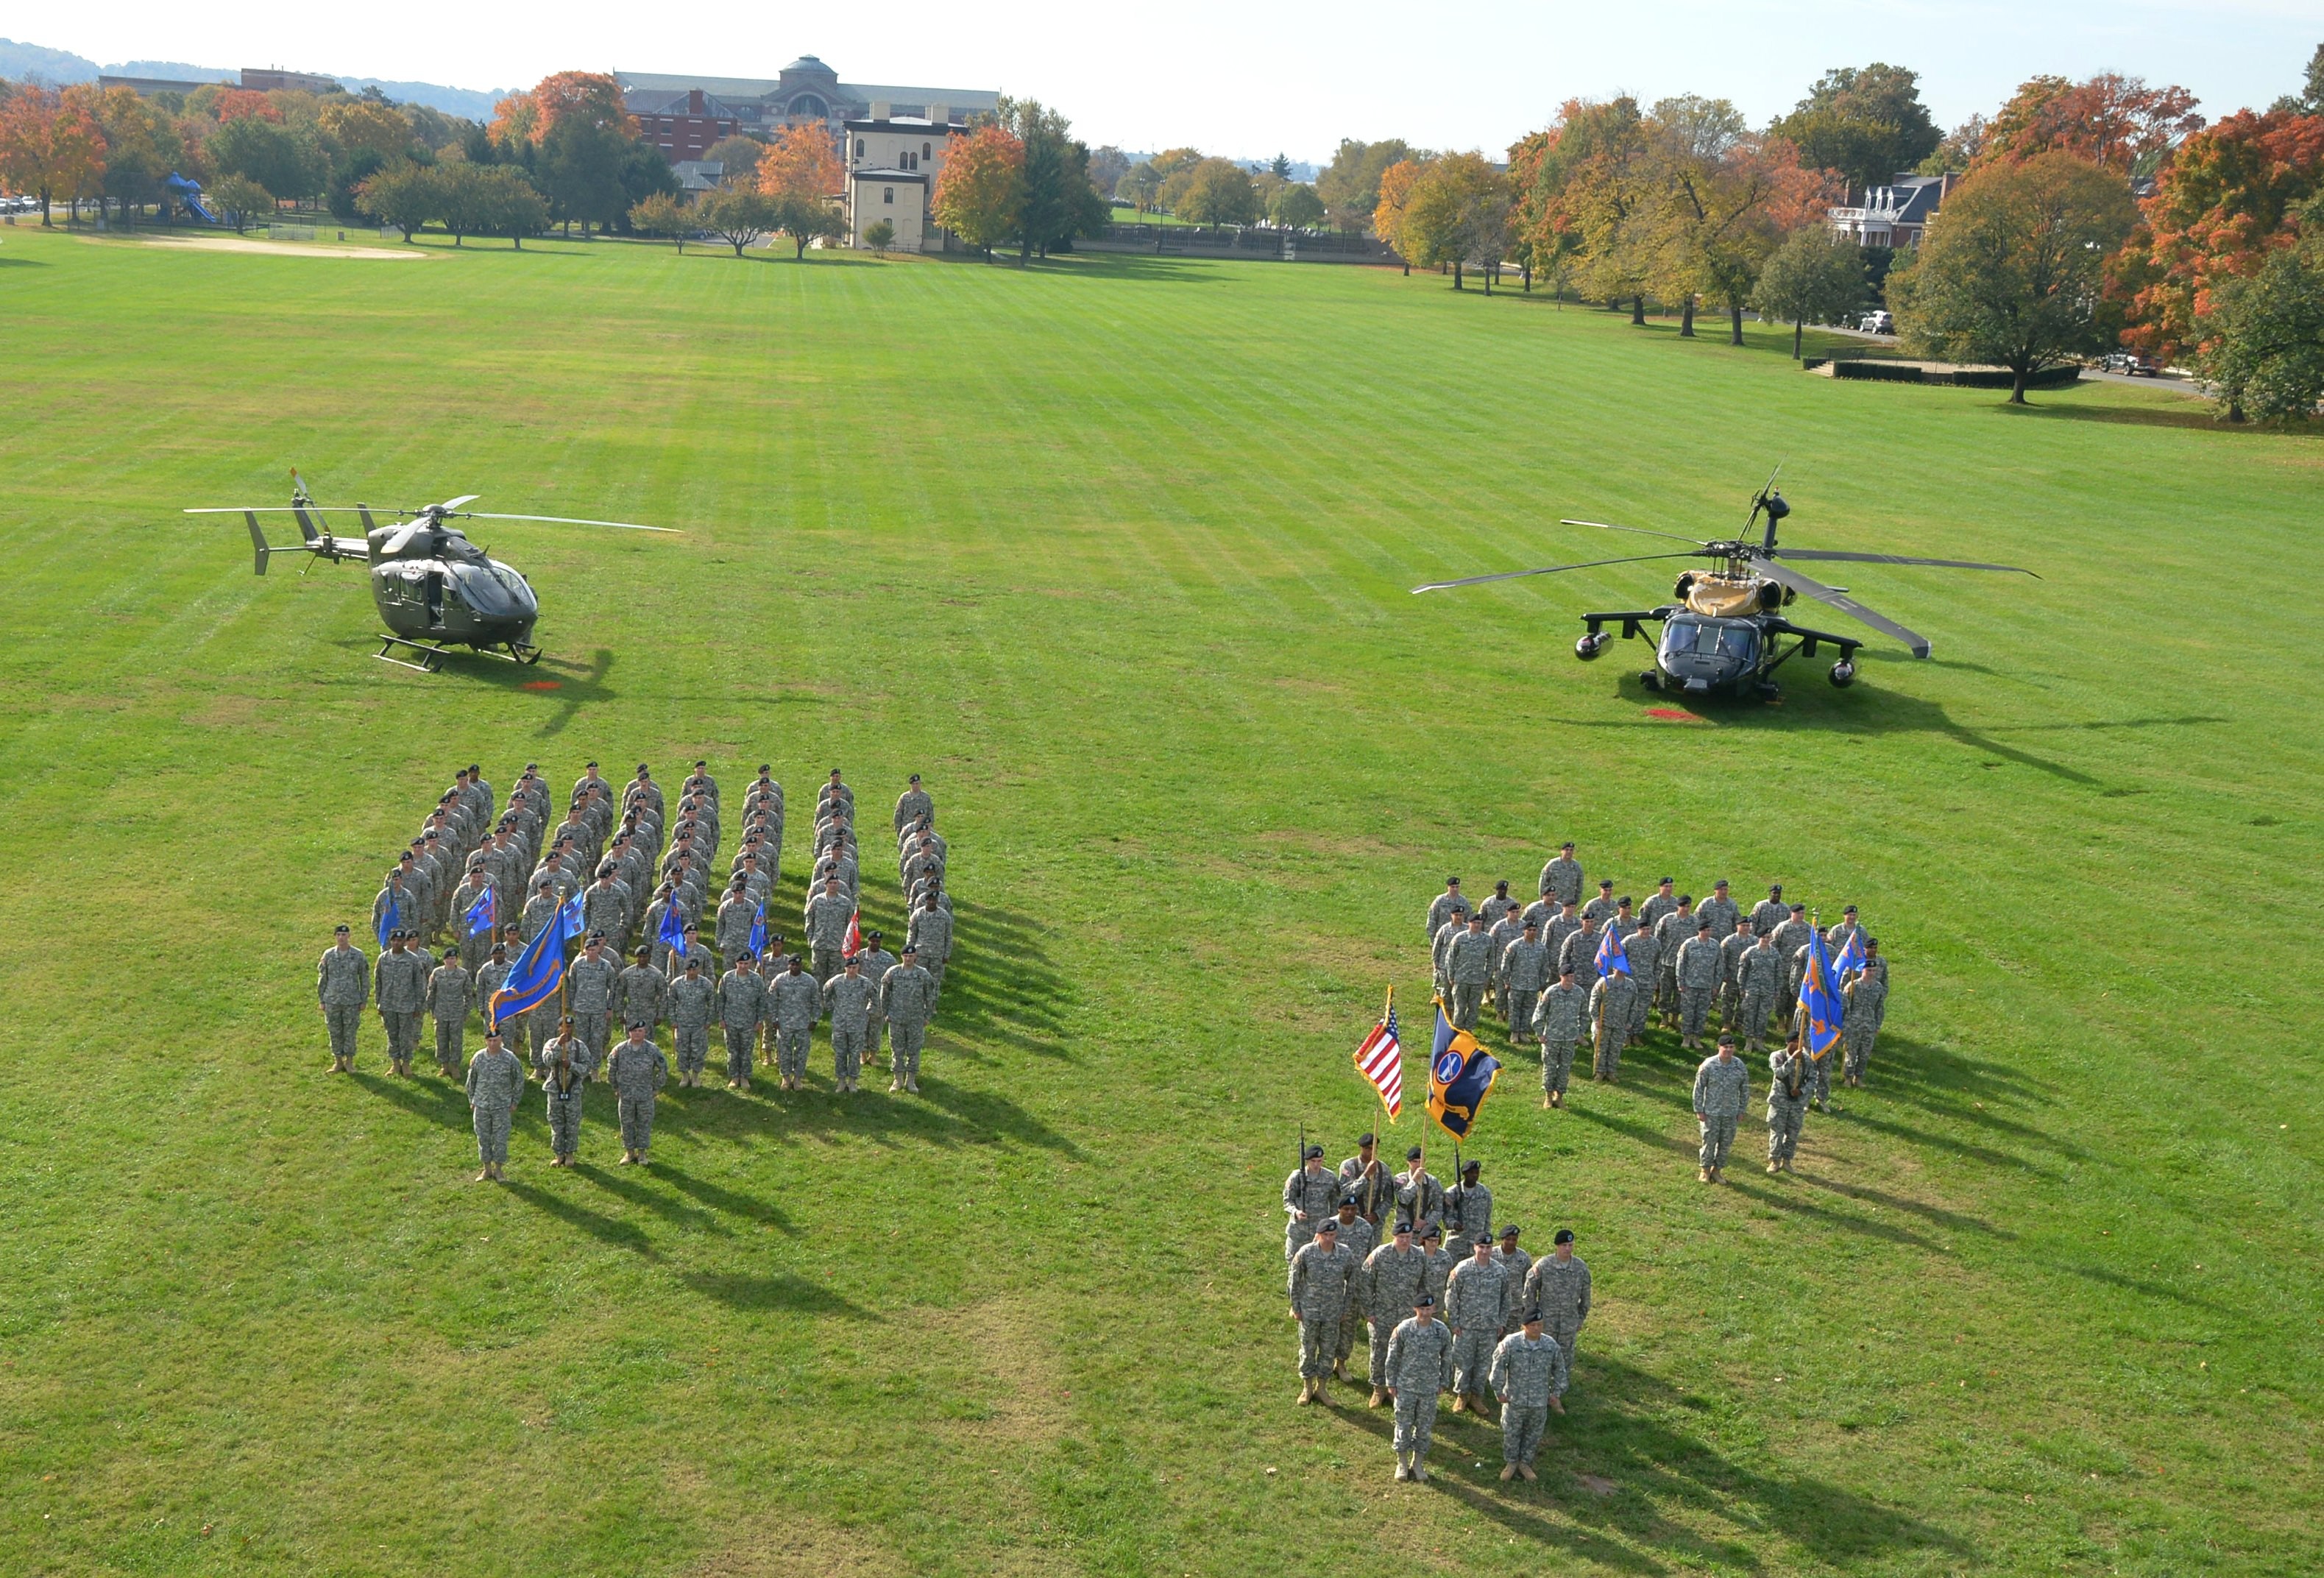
x=258, y=549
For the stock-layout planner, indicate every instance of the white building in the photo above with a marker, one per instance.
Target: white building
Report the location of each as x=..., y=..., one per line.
x=892, y=164
x=1896, y=215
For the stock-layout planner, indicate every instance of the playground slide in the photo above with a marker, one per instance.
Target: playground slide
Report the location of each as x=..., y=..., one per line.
x=190, y=193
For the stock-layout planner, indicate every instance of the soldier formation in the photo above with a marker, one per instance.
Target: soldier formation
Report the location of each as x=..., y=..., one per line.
x=1476, y=1316
x=642, y=898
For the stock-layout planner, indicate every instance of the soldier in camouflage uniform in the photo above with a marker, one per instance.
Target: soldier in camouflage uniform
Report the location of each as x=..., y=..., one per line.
x=1662, y=901
x=1674, y=931
x=1722, y=1089
x=1864, y=1001
x=1604, y=907
x=472, y=887
x=639, y=1071
x=342, y=986
x=1440, y=957
x=1468, y=1213
x=1310, y=1195
x=1578, y=953
x=1440, y=1264
x=737, y=913
x=1559, y=1020
x=1738, y=943
x=847, y=998
x=794, y=1002
x=1419, y=1197
x=589, y=983
x=1758, y=977
x=741, y=1003
x=641, y=992
x=930, y=935
x=1502, y=933
x=1419, y=1365
x=876, y=962
x=1721, y=911
x=1446, y=906
x=1644, y=952
x=1366, y=1177
x=496, y=1081
x=1476, y=1303
x=1563, y=922
x=564, y=1083
x=1770, y=912
x=1524, y=974
x=400, y=987
x=912, y=805
x=1787, y=1090
x=451, y=990
x=1515, y=1263
x=1358, y=1238
x=1560, y=878
x=1528, y=1375
x=826, y=917
x=1394, y=1276
x=1559, y=1286
x=1320, y=1274
x=907, y=999
x=1613, y=1003
x=1698, y=982
x=1791, y=939
x=691, y=1001
x=1469, y=962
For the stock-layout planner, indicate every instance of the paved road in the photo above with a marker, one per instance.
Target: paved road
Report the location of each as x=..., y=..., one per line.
x=2175, y=385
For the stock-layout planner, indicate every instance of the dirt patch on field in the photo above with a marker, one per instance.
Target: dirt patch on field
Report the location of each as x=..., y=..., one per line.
x=781, y=1545
x=244, y=244
x=1005, y=1343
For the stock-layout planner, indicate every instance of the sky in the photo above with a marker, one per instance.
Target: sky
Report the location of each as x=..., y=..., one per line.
x=1295, y=76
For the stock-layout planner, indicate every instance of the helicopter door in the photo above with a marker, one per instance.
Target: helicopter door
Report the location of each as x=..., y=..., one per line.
x=433, y=591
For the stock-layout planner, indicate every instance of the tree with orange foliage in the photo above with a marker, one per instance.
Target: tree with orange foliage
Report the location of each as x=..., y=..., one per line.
x=48, y=146
x=2113, y=121
x=801, y=164
x=2225, y=203
x=236, y=103
x=591, y=98
x=1396, y=189
x=981, y=186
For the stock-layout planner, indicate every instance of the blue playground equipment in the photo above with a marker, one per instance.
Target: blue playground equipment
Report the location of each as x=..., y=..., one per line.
x=190, y=193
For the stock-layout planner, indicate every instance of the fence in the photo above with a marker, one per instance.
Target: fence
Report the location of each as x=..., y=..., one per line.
x=1255, y=241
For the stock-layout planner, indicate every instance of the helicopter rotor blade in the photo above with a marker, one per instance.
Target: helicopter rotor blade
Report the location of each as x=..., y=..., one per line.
x=1894, y=559
x=1835, y=597
x=565, y=520
x=449, y=505
x=1551, y=570
x=1640, y=531
x=252, y=509
x=402, y=535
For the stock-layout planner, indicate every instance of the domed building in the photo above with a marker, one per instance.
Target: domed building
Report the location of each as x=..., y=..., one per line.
x=688, y=110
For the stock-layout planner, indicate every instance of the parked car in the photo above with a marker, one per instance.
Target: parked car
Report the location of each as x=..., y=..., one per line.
x=1878, y=323
x=2133, y=365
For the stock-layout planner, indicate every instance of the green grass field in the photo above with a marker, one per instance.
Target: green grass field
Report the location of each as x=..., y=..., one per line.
x=1117, y=552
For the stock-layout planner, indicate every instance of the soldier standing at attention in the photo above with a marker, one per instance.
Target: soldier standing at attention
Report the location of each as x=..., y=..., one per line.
x=1863, y=1000
x=1559, y=1021
x=1674, y=931
x=639, y=1071
x=496, y=1081
x=1476, y=1302
x=1357, y=1239
x=1836, y=933
x=930, y=936
x=1528, y=1375
x=1698, y=981
x=794, y=1002
x=1736, y=943
x=1502, y=933
x=1419, y=1365
x=1524, y=972
x=1787, y=1089
x=1770, y=912
x=1664, y=900
x=876, y=962
x=490, y=976
x=1758, y=976
x=1791, y=939
x=1446, y=906
x=641, y=991
x=1559, y=1286
x=1560, y=878
x=741, y=1003
x=1564, y=920
x=1309, y=1195
x=564, y=1082
x=1394, y=1277
x=737, y=913
x=1366, y=1177
x=1320, y=1274
x=589, y=983
x=847, y=999
x=1604, y=907
x=1440, y=1264
x=1720, y=910
x=826, y=917
x=1644, y=952
x=400, y=986
x=1469, y=960
x=1419, y=1197
x=1440, y=957
x=1578, y=955
x=1516, y=1265
x=1467, y=1215
x=342, y=985
x=1722, y=1089
x=912, y=805
x=1613, y=1002
x=693, y=1004
x=1497, y=904
x=908, y=998
x=450, y=991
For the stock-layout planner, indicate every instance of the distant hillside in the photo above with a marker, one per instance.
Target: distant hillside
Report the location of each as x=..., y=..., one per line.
x=54, y=66
x=474, y=104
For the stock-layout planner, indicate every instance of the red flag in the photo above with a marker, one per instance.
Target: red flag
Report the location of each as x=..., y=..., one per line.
x=855, y=932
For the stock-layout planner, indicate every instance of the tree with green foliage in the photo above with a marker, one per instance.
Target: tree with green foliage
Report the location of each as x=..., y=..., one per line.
x=405, y=197
x=806, y=218
x=738, y=156
x=512, y=205
x=2309, y=100
x=645, y=171
x=978, y=190
x=740, y=217
x=1218, y=192
x=1814, y=277
x=581, y=165
x=349, y=174
x=1056, y=202
x=880, y=236
x=1350, y=186
x=2015, y=272
x=661, y=215
x=463, y=202
x=1296, y=206
x=1865, y=122
x=1138, y=186
x=2262, y=351
x=279, y=157
x=241, y=200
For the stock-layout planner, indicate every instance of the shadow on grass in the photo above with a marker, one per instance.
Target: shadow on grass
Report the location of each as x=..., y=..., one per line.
x=1177, y=268
x=2189, y=416
x=1625, y=1425
x=720, y=1199
x=605, y=1229
x=438, y=1100
x=777, y=1292
x=1000, y=986
x=576, y=685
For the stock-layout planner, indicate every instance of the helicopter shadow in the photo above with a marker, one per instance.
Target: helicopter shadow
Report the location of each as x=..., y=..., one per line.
x=1890, y=712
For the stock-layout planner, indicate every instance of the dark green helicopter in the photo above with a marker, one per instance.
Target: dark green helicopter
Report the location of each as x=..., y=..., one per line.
x=435, y=589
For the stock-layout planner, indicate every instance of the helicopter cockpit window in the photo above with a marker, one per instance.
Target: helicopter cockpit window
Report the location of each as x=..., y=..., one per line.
x=483, y=590
x=1736, y=640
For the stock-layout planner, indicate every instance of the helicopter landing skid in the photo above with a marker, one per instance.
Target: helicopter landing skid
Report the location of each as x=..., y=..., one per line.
x=427, y=660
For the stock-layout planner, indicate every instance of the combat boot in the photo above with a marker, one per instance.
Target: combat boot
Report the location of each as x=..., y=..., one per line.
x=1403, y=1466
x=1460, y=1402
x=1703, y=1174
x=1306, y=1391
x=1379, y=1396
x=1774, y=1166
x=1525, y=1471
x=1323, y=1390
x=1509, y=1471
x=1419, y=1469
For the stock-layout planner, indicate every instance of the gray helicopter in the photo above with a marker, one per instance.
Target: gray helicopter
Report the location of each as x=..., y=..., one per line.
x=1724, y=634
x=435, y=589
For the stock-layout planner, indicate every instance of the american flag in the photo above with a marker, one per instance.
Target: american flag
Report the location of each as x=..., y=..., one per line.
x=1380, y=1059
